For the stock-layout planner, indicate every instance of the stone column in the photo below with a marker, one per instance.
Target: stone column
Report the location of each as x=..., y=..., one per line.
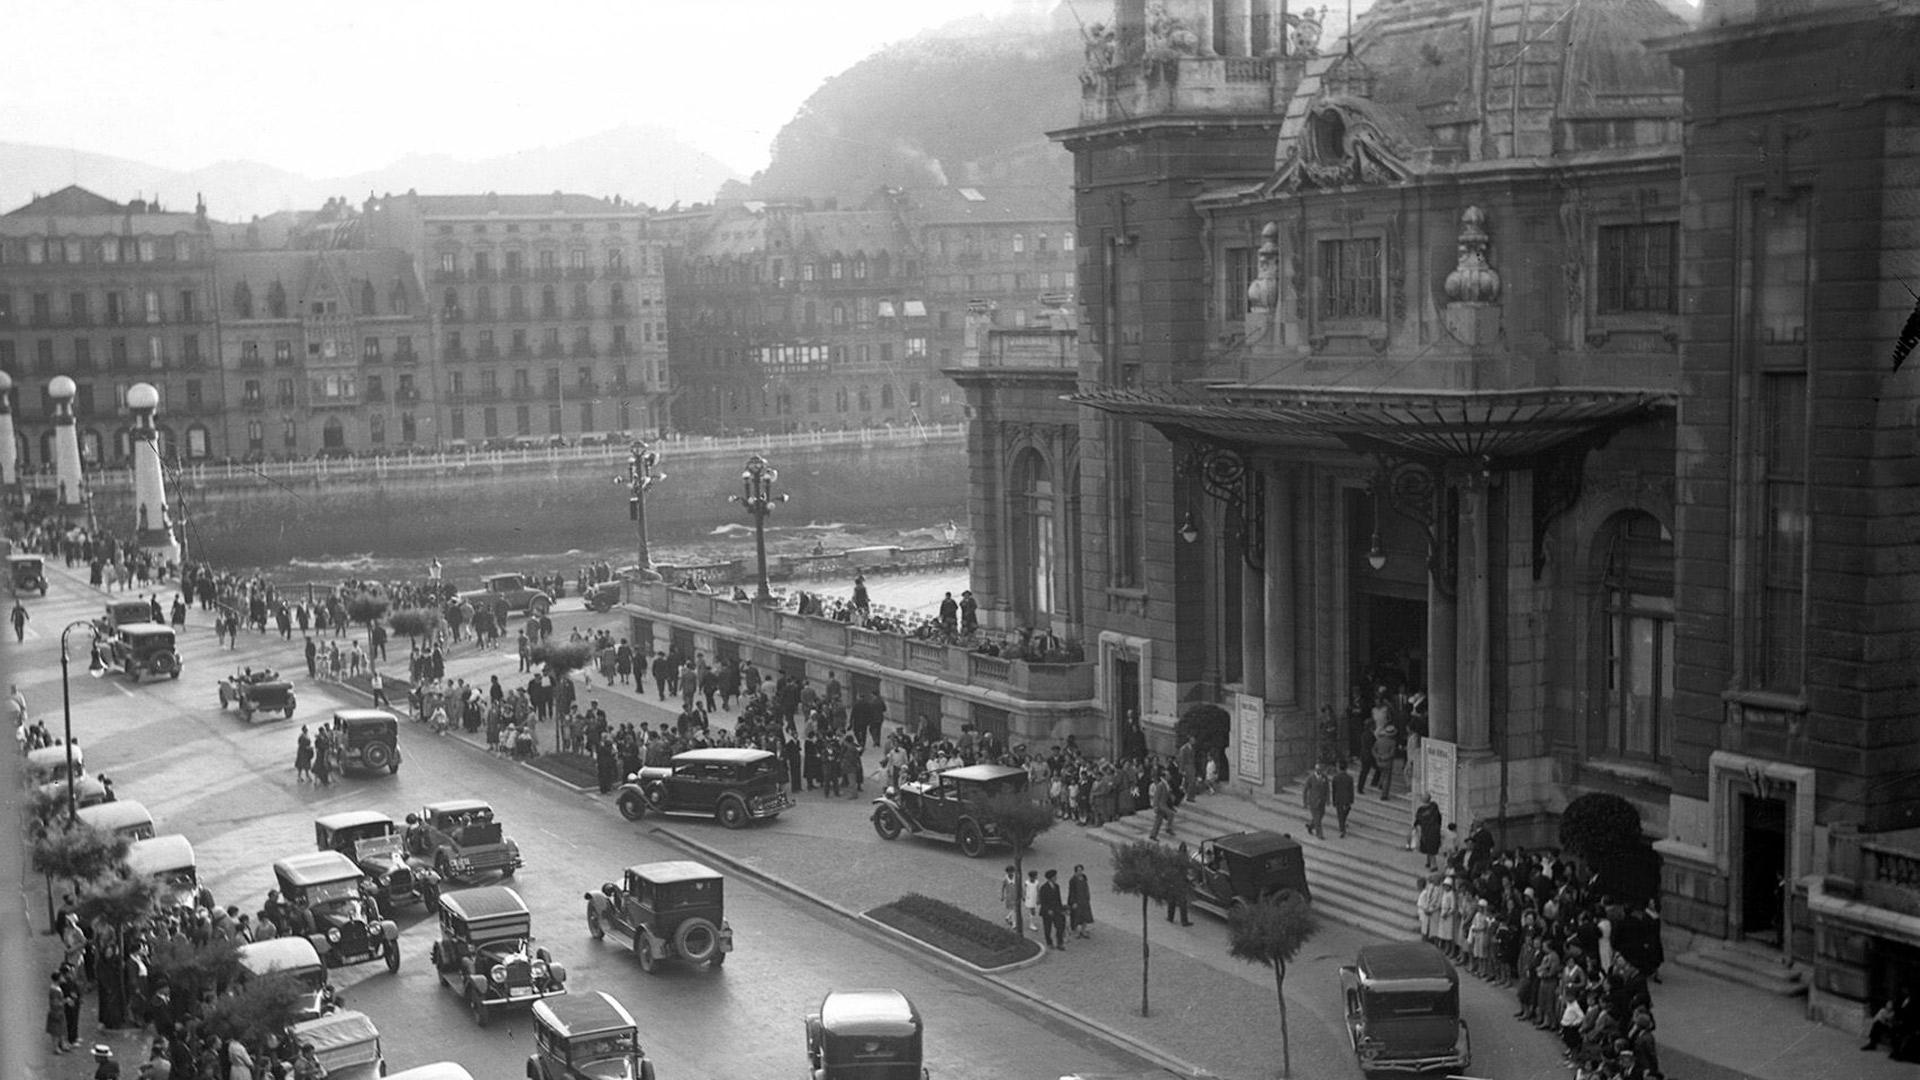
x=1282, y=682
x=1473, y=633
x=1253, y=625
x=1441, y=649
x=66, y=446
x=9, y=446
x=153, y=524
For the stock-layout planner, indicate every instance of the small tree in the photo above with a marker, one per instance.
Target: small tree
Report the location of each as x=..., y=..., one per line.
x=258, y=1007
x=1156, y=875
x=366, y=607
x=561, y=659
x=74, y=853
x=415, y=623
x=119, y=902
x=1271, y=932
x=1602, y=831
x=192, y=970
x=1021, y=818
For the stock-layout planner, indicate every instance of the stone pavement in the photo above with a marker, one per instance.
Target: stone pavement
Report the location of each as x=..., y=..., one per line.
x=1209, y=1014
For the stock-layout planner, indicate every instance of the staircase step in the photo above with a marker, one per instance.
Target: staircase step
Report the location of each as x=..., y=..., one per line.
x=1746, y=965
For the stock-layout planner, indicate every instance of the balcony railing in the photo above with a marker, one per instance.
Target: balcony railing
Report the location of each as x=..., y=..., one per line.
x=580, y=311
x=549, y=273
x=551, y=350
x=372, y=357
x=583, y=352
x=452, y=314
x=253, y=404
x=580, y=273
x=406, y=356
x=285, y=401
x=514, y=273
x=251, y=363
x=376, y=395
x=453, y=352
x=520, y=313
x=406, y=396
x=487, y=352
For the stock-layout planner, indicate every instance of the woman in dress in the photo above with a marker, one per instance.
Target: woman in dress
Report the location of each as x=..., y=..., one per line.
x=303, y=756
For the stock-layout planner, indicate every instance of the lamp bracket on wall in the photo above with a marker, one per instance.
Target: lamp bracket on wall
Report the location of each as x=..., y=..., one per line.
x=1419, y=492
x=1226, y=475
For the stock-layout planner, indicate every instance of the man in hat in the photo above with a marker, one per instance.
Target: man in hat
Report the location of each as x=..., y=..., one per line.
x=105, y=1067
x=1314, y=794
x=1342, y=789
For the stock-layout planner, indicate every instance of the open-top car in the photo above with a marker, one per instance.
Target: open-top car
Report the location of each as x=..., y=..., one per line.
x=169, y=863
x=27, y=573
x=587, y=1036
x=345, y=1042
x=664, y=910
x=327, y=901
x=486, y=952
x=373, y=841
x=866, y=1035
x=1246, y=867
x=142, y=649
x=1402, y=1004
x=946, y=806
x=521, y=597
x=368, y=739
x=460, y=838
x=733, y=785
x=257, y=691
x=296, y=959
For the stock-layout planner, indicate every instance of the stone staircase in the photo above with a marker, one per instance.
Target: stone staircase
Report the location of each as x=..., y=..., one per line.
x=1747, y=963
x=1366, y=880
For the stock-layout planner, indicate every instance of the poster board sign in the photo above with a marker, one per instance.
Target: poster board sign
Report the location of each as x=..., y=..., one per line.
x=1440, y=763
x=1250, y=735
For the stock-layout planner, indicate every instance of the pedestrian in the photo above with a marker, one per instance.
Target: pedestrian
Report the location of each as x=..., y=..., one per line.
x=1386, y=744
x=379, y=688
x=307, y=1066
x=1162, y=802
x=105, y=1066
x=1030, y=898
x=313, y=660
x=1080, y=902
x=1342, y=791
x=322, y=757
x=17, y=704
x=1480, y=940
x=57, y=1012
x=1053, y=911
x=71, y=995
x=20, y=618
x=1177, y=902
x=303, y=756
x=1428, y=906
x=1010, y=897
x=1314, y=794
x=1426, y=825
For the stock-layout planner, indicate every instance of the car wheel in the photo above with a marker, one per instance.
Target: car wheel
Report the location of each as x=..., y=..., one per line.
x=886, y=822
x=377, y=755
x=973, y=842
x=176, y=673
x=733, y=813
x=246, y=713
x=594, y=929
x=393, y=956
x=394, y=769
x=697, y=941
x=645, y=951
x=632, y=806
x=478, y=1007
x=439, y=970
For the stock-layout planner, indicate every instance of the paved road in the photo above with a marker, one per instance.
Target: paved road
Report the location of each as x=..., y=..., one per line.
x=230, y=788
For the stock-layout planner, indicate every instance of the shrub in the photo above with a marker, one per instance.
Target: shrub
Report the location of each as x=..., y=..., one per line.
x=1602, y=831
x=965, y=925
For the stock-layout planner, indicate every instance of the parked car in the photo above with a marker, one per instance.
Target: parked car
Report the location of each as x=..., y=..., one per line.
x=297, y=959
x=732, y=785
x=603, y=596
x=857, y=1034
x=329, y=898
x=48, y=764
x=373, y=841
x=521, y=597
x=28, y=573
x=169, y=863
x=1402, y=1004
x=121, y=613
x=586, y=1037
x=346, y=1043
x=1245, y=867
x=483, y=952
x=88, y=790
x=665, y=910
x=367, y=739
x=439, y=1070
x=128, y=818
x=461, y=839
x=142, y=649
x=945, y=806
x=257, y=691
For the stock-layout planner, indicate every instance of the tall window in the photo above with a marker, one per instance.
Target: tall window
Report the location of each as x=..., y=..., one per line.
x=1350, y=279
x=1637, y=269
x=1781, y=528
x=1126, y=505
x=1638, y=651
x=1030, y=536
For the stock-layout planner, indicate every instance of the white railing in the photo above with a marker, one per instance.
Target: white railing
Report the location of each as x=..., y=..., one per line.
x=215, y=472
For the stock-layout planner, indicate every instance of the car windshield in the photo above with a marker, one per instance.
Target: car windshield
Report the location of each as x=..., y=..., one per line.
x=371, y=846
x=350, y=909
x=329, y=892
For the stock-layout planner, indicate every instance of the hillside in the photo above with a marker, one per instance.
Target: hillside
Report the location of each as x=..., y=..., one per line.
x=966, y=103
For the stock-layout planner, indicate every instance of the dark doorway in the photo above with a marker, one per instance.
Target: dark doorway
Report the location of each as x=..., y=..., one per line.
x=1125, y=695
x=1390, y=643
x=923, y=712
x=1763, y=866
x=858, y=684
x=681, y=644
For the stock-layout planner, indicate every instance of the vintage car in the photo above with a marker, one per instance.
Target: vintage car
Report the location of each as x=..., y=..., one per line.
x=28, y=573
x=367, y=739
x=1245, y=867
x=521, y=598
x=1402, y=1004
x=49, y=764
x=460, y=839
x=257, y=691
x=142, y=649
x=603, y=596
x=345, y=1042
x=439, y=1070
x=373, y=841
x=88, y=790
x=665, y=910
x=326, y=895
x=945, y=806
x=486, y=953
x=127, y=818
x=121, y=613
x=865, y=1035
x=169, y=863
x=296, y=959
x=733, y=785
x=586, y=1037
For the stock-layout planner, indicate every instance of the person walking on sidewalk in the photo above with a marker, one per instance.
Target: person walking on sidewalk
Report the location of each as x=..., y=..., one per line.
x=1386, y=744
x=1162, y=802
x=1426, y=827
x=1010, y=897
x=1030, y=899
x=379, y=687
x=20, y=618
x=1314, y=794
x=303, y=756
x=1053, y=911
x=1177, y=901
x=1080, y=902
x=1342, y=789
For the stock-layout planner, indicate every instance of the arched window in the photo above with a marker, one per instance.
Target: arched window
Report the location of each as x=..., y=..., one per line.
x=199, y=442
x=1635, y=653
x=579, y=300
x=549, y=300
x=1019, y=243
x=839, y=314
x=243, y=301
x=1030, y=535
x=90, y=446
x=516, y=302
x=397, y=299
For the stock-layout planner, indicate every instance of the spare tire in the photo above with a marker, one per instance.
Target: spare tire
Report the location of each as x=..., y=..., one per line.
x=377, y=755
x=696, y=940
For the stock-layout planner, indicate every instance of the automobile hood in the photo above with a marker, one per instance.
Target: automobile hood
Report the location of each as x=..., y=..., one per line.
x=653, y=772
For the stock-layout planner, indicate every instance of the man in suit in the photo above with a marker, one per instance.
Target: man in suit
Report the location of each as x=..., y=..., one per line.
x=1342, y=787
x=1053, y=911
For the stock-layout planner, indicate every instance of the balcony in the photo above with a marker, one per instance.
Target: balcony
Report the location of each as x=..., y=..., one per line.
x=487, y=352
x=520, y=313
x=444, y=276
x=376, y=396
x=583, y=352
x=551, y=350
x=204, y=407
x=407, y=395
x=453, y=353
x=251, y=363
x=406, y=356
x=580, y=273
x=620, y=348
x=1029, y=348
x=483, y=273
x=519, y=352
x=196, y=362
x=253, y=404
x=371, y=357
x=589, y=388
x=619, y=311
x=514, y=273
x=338, y=401
x=549, y=273
x=285, y=401
x=580, y=311
x=452, y=314
x=525, y=393
x=283, y=359
x=617, y=273
x=550, y=311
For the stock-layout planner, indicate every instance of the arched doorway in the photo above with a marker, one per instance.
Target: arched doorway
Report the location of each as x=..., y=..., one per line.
x=333, y=434
x=1031, y=538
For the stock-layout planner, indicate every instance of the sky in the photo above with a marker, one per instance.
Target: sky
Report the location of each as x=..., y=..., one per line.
x=345, y=86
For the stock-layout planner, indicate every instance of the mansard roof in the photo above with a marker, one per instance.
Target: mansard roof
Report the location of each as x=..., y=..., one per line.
x=310, y=275
x=73, y=210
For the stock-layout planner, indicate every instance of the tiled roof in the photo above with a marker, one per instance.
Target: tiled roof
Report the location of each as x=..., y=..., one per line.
x=847, y=232
x=1009, y=203
x=75, y=210
x=558, y=202
x=306, y=275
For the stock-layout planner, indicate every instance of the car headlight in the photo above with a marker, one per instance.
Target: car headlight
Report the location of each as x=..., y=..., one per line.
x=539, y=970
x=375, y=929
x=333, y=934
x=499, y=973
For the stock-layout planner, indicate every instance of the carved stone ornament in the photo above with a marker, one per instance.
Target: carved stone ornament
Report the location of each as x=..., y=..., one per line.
x=1304, y=31
x=1264, y=292
x=1102, y=51
x=1472, y=280
x=1342, y=145
x=1168, y=39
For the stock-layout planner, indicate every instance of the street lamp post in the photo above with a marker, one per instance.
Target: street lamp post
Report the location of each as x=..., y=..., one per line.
x=94, y=668
x=757, y=497
x=639, y=479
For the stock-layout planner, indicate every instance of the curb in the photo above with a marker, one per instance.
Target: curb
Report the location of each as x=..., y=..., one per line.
x=1060, y=1012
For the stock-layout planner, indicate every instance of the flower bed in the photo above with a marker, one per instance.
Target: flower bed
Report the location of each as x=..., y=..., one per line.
x=961, y=934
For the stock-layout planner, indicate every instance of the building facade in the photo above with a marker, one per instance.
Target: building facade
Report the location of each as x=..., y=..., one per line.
x=110, y=294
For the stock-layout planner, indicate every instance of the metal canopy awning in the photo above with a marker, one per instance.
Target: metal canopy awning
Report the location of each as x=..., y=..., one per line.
x=1477, y=425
